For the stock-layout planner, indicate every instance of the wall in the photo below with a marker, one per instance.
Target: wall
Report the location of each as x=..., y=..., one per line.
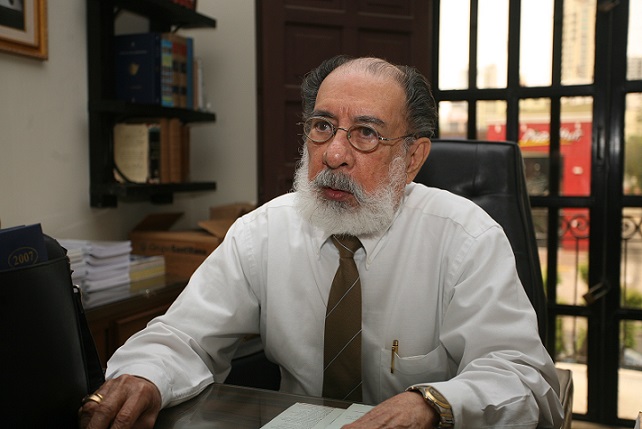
x=44, y=176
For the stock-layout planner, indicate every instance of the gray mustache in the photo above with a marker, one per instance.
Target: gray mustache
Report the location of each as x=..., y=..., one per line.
x=340, y=181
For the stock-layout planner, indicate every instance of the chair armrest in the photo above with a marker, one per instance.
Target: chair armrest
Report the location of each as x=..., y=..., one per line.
x=565, y=377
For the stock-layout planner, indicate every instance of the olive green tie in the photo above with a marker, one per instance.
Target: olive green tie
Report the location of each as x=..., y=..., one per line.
x=342, y=340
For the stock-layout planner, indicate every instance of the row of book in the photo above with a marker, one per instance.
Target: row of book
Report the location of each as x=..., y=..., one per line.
x=159, y=69
x=152, y=151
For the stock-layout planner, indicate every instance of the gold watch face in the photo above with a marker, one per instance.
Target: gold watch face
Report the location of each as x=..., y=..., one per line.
x=438, y=398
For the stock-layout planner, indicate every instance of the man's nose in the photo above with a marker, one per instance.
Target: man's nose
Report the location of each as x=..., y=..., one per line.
x=339, y=151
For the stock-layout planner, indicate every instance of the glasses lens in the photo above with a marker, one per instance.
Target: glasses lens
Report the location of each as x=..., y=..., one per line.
x=318, y=130
x=363, y=137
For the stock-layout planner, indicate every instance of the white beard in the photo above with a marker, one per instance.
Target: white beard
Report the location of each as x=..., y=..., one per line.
x=373, y=214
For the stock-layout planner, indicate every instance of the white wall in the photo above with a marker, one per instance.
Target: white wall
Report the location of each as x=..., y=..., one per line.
x=44, y=174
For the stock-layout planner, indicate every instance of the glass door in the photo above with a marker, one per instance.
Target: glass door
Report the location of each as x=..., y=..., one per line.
x=563, y=78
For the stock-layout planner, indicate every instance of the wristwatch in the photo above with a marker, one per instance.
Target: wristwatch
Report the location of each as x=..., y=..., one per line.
x=438, y=402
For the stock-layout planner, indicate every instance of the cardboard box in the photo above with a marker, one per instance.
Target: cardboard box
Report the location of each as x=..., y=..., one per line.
x=184, y=250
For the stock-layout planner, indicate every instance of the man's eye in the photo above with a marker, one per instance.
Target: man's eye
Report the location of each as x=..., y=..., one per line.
x=323, y=126
x=366, y=132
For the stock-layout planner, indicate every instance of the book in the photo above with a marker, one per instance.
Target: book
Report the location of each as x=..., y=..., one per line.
x=179, y=68
x=137, y=152
x=185, y=153
x=198, y=85
x=309, y=416
x=167, y=73
x=143, y=267
x=143, y=68
x=21, y=246
x=164, y=151
x=154, y=152
x=175, y=150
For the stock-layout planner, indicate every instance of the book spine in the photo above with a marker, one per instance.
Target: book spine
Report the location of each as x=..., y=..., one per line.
x=164, y=151
x=167, y=74
x=154, y=137
x=185, y=153
x=138, y=68
x=199, y=85
x=189, y=74
x=175, y=151
x=179, y=68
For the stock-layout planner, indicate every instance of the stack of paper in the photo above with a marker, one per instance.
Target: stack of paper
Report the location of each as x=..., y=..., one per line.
x=146, y=271
x=76, y=251
x=105, y=264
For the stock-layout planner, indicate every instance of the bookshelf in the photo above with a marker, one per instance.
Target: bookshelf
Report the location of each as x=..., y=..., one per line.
x=105, y=109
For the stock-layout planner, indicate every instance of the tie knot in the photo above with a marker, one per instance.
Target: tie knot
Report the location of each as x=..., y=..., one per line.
x=347, y=245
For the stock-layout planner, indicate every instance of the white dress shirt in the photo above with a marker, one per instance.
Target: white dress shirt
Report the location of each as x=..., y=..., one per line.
x=441, y=280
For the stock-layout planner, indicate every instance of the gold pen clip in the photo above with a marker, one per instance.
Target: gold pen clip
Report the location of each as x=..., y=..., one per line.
x=395, y=349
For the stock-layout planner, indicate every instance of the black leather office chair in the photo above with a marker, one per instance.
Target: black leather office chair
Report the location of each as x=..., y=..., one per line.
x=48, y=357
x=491, y=174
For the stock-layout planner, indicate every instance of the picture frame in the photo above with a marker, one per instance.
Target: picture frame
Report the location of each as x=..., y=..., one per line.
x=23, y=28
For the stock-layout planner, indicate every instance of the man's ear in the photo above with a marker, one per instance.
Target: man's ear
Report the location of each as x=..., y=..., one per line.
x=417, y=155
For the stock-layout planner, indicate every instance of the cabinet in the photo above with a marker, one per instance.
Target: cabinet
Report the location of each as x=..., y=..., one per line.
x=105, y=109
x=113, y=323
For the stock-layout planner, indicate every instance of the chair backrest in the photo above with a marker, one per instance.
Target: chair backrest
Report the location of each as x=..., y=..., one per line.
x=47, y=351
x=491, y=174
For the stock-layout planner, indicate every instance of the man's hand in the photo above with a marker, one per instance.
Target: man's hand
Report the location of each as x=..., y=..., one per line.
x=128, y=402
x=405, y=410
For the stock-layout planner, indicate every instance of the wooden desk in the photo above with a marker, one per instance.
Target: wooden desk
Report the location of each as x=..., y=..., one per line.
x=224, y=406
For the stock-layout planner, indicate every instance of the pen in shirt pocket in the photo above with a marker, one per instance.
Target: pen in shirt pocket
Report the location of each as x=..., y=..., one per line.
x=394, y=350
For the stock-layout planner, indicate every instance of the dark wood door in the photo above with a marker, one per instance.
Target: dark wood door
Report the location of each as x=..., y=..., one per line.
x=295, y=36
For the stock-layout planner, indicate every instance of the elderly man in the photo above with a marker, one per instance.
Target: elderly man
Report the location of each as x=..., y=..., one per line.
x=438, y=331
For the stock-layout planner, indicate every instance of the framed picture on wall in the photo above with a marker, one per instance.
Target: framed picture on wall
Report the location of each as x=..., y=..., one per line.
x=23, y=27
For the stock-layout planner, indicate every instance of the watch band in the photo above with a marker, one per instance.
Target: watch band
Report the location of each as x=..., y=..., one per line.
x=437, y=401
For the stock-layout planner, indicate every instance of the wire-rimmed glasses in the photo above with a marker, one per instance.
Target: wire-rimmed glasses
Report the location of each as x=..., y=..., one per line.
x=362, y=137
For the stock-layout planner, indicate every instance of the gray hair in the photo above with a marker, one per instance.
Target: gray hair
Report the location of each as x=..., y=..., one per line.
x=421, y=109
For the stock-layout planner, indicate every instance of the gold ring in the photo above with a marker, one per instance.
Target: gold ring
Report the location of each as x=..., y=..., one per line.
x=94, y=397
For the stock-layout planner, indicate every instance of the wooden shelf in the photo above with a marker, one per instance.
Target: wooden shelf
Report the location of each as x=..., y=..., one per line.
x=119, y=108
x=108, y=194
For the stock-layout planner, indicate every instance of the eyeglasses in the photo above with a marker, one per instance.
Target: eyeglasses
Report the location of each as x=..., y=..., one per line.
x=361, y=137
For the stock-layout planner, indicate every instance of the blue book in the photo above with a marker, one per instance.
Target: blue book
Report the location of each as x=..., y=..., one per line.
x=21, y=246
x=141, y=72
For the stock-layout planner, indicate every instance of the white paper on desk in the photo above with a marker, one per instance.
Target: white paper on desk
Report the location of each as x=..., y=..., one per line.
x=638, y=422
x=308, y=416
x=354, y=412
